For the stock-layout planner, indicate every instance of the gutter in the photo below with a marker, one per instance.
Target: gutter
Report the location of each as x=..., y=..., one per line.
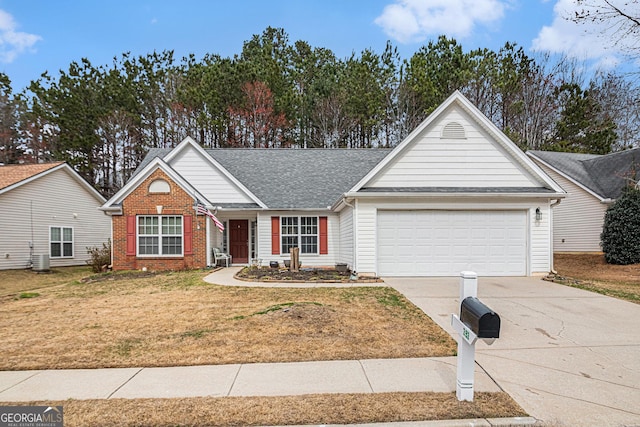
x=443, y=194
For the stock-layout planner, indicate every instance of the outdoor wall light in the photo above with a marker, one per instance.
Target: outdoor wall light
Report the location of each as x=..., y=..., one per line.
x=538, y=214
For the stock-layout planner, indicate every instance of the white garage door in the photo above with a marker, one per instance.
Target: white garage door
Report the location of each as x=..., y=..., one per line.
x=444, y=243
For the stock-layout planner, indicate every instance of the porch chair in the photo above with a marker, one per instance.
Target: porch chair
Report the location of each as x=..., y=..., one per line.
x=218, y=255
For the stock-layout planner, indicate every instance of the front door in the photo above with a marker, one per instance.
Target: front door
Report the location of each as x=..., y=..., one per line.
x=239, y=240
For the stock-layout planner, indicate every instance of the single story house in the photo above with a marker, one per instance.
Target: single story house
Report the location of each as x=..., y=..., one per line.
x=592, y=183
x=456, y=194
x=48, y=211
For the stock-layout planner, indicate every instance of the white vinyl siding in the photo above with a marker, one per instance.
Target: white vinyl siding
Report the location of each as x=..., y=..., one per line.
x=366, y=238
x=55, y=199
x=433, y=161
x=346, y=236
x=578, y=219
x=444, y=243
x=210, y=181
x=540, y=239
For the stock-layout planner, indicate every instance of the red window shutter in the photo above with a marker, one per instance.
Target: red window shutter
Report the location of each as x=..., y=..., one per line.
x=188, y=234
x=131, y=235
x=324, y=238
x=275, y=235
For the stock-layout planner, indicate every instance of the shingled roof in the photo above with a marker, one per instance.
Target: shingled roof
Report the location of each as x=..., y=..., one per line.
x=13, y=174
x=293, y=178
x=605, y=175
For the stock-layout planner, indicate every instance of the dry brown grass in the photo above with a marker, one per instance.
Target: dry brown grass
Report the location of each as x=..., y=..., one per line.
x=176, y=319
x=13, y=282
x=591, y=272
x=297, y=410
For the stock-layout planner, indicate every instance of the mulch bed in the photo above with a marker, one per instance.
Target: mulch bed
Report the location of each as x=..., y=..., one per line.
x=326, y=275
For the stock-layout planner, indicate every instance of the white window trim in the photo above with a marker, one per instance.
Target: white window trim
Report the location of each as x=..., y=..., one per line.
x=300, y=235
x=159, y=235
x=73, y=242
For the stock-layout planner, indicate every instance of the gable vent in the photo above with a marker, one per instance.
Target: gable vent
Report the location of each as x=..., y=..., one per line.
x=453, y=130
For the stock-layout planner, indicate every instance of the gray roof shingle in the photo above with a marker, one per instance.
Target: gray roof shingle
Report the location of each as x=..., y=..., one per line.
x=296, y=178
x=605, y=175
x=292, y=178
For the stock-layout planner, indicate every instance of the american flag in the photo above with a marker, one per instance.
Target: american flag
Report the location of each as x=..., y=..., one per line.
x=201, y=209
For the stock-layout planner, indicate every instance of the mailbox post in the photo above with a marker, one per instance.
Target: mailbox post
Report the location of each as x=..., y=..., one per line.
x=476, y=321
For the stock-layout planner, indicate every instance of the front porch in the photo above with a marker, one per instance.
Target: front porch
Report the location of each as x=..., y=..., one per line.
x=238, y=240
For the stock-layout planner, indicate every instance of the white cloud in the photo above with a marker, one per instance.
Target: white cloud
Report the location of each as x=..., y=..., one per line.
x=12, y=42
x=585, y=41
x=414, y=20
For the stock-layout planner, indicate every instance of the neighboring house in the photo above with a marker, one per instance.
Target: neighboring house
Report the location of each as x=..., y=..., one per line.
x=455, y=195
x=592, y=183
x=48, y=209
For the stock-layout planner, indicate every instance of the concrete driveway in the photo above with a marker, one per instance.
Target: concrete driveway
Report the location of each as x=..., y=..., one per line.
x=567, y=356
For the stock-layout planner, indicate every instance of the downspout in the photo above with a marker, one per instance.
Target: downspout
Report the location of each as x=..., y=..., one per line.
x=551, y=206
x=354, y=244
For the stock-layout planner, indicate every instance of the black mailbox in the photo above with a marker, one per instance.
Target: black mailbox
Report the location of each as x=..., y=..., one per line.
x=483, y=321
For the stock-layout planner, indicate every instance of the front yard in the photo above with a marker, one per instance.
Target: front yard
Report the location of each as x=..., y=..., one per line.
x=71, y=319
x=175, y=319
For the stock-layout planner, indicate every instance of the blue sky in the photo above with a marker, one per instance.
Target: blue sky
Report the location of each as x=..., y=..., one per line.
x=47, y=35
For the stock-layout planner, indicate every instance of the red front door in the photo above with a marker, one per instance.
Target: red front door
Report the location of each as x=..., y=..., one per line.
x=239, y=240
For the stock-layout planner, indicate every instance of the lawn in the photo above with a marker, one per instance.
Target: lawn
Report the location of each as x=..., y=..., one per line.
x=592, y=273
x=73, y=319
x=286, y=410
x=176, y=319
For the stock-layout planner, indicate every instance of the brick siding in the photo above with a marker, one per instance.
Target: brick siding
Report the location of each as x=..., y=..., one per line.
x=141, y=202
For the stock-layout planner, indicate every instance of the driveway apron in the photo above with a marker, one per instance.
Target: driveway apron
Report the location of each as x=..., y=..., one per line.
x=567, y=356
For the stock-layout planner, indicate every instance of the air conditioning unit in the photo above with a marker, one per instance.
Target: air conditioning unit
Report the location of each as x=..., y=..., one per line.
x=40, y=262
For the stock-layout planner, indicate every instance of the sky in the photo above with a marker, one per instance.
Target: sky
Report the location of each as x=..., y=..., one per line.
x=47, y=35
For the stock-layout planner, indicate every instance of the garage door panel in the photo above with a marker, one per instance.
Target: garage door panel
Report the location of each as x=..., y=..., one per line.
x=443, y=243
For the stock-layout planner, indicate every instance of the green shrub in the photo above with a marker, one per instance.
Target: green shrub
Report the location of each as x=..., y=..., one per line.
x=620, y=238
x=100, y=258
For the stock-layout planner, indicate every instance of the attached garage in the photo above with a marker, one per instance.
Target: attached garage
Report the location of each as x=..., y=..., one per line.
x=446, y=242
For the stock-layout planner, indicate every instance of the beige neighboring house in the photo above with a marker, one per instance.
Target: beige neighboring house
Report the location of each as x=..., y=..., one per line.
x=592, y=183
x=48, y=209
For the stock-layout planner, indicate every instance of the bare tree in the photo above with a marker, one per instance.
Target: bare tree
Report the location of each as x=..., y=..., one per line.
x=620, y=19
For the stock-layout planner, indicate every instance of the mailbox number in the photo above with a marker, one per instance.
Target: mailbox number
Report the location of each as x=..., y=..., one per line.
x=465, y=333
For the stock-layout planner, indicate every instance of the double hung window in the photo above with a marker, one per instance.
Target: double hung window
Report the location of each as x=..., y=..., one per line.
x=160, y=235
x=61, y=242
x=299, y=232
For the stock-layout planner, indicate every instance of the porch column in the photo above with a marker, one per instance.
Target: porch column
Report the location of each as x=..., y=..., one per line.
x=207, y=220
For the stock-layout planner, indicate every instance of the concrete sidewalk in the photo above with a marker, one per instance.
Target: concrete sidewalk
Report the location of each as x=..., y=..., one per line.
x=260, y=379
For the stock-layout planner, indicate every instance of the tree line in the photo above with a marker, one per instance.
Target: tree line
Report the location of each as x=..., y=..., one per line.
x=274, y=94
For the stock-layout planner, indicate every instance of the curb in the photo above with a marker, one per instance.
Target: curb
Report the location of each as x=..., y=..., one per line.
x=475, y=422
